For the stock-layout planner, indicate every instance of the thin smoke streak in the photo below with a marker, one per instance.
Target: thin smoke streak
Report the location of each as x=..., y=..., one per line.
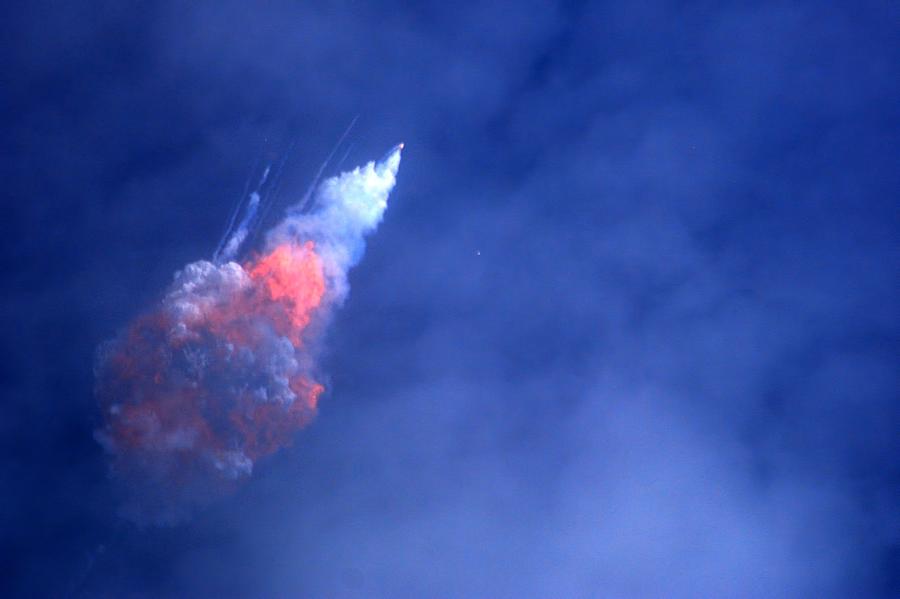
x=237, y=208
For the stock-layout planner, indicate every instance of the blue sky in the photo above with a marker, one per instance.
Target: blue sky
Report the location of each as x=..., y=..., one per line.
x=629, y=328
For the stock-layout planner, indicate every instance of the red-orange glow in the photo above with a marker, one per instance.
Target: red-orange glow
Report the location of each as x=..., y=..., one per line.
x=184, y=396
x=266, y=427
x=292, y=277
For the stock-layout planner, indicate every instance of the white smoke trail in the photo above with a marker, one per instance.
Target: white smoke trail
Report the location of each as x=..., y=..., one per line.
x=345, y=209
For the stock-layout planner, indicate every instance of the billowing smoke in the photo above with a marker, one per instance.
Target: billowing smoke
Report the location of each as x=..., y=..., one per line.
x=222, y=372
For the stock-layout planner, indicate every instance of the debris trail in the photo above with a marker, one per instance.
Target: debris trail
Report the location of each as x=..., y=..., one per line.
x=235, y=211
x=233, y=245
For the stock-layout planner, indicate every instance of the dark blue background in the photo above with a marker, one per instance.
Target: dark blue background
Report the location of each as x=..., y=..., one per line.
x=629, y=329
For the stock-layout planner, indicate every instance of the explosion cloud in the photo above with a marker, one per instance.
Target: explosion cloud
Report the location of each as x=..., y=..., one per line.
x=222, y=372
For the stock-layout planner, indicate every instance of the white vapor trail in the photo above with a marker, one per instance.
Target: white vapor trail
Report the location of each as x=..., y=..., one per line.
x=344, y=210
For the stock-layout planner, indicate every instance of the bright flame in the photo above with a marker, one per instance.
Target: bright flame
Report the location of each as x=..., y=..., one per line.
x=292, y=276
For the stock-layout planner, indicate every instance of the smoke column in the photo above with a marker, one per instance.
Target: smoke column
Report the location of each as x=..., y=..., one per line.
x=222, y=372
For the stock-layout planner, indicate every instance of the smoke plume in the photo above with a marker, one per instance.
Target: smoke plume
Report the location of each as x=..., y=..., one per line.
x=222, y=372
